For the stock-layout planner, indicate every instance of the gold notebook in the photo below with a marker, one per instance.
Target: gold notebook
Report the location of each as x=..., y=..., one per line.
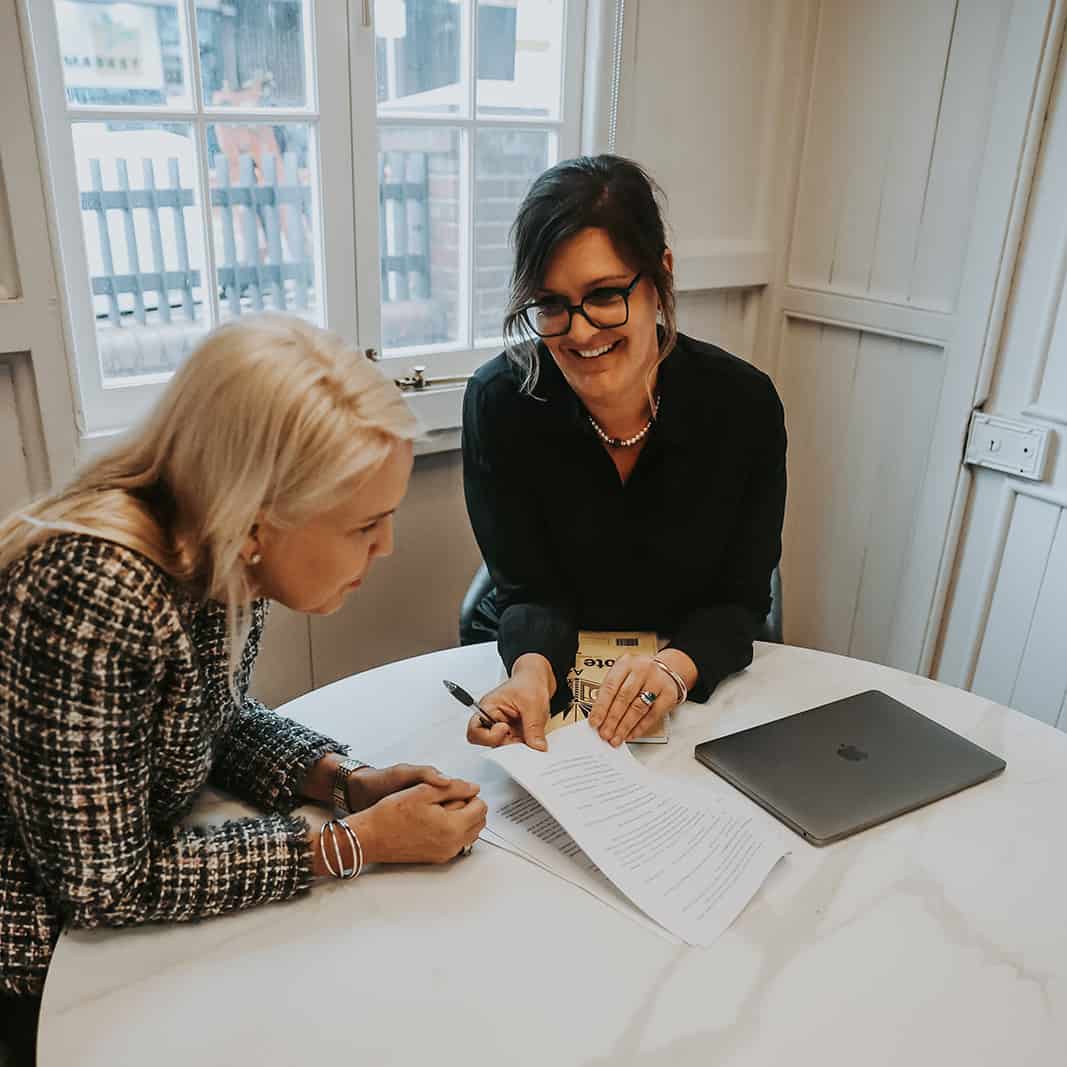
x=597, y=652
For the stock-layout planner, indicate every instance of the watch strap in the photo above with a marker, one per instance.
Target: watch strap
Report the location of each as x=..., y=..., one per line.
x=349, y=765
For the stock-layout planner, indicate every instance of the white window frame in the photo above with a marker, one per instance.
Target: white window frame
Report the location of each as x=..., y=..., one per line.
x=105, y=407
x=439, y=407
x=342, y=90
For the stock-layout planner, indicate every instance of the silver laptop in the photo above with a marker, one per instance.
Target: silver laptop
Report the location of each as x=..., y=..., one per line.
x=846, y=766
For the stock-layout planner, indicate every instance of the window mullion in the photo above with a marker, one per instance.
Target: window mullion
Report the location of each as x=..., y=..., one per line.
x=210, y=289
x=192, y=44
x=335, y=171
x=364, y=142
x=470, y=59
x=470, y=183
x=576, y=77
x=244, y=115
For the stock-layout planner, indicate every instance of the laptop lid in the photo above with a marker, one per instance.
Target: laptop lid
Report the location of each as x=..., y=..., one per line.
x=840, y=768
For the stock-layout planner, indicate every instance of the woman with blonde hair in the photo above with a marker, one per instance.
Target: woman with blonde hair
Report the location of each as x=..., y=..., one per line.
x=131, y=608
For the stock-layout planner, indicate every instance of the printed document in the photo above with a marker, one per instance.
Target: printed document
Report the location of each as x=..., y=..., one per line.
x=519, y=824
x=689, y=858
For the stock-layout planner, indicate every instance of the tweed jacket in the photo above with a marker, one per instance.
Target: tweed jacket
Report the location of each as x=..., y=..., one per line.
x=114, y=712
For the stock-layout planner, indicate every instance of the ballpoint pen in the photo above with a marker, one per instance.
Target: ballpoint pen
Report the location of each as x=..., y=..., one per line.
x=464, y=697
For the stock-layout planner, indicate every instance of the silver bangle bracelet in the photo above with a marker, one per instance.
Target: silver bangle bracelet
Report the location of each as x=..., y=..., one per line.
x=341, y=870
x=679, y=683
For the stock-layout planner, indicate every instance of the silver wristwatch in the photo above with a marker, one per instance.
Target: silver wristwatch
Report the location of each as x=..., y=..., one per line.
x=349, y=765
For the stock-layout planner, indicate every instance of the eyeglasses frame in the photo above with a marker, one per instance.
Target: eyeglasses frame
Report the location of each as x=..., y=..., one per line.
x=624, y=291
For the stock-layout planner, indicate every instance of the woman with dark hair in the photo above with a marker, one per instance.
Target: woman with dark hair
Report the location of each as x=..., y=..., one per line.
x=618, y=475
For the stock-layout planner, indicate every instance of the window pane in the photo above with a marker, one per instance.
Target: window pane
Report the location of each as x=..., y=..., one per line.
x=252, y=53
x=520, y=57
x=120, y=54
x=506, y=163
x=264, y=218
x=143, y=239
x=419, y=45
x=419, y=195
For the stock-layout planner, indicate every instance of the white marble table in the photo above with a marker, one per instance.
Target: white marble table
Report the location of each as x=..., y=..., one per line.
x=939, y=938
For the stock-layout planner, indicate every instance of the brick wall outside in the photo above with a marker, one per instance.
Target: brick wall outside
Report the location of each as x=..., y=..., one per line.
x=507, y=161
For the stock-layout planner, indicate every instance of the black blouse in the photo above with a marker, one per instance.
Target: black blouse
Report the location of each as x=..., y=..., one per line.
x=685, y=547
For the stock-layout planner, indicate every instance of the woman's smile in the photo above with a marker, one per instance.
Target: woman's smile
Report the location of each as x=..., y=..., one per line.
x=597, y=352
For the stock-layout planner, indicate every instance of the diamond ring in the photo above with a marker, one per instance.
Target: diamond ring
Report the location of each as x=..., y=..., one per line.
x=648, y=697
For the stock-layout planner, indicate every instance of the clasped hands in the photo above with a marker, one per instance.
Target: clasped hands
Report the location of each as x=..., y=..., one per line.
x=411, y=814
x=519, y=706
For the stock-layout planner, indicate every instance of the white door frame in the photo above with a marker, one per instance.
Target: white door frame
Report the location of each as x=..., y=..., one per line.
x=1030, y=59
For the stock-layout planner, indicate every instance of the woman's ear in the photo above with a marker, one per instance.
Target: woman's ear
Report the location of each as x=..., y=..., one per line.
x=251, y=551
x=668, y=261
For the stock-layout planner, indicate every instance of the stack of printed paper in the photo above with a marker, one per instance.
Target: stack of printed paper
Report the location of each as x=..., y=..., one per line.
x=690, y=859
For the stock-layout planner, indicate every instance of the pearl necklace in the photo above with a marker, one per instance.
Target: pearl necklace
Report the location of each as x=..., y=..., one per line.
x=626, y=442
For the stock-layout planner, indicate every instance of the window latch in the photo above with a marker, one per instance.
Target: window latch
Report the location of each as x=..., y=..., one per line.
x=417, y=379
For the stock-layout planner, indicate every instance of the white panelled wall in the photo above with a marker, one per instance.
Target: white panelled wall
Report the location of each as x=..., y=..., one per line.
x=920, y=124
x=867, y=296
x=1006, y=631
x=860, y=408
x=843, y=178
x=14, y=473
x=37, y=428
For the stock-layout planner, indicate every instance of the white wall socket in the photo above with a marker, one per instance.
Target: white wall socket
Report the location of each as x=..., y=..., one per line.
x=1013, y=446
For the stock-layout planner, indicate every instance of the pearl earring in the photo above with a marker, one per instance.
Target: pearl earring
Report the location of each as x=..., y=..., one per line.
x=255, y=559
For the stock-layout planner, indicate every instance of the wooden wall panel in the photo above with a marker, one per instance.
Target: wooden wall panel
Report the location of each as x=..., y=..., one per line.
x=860, y=412
x=1041, y=683
x=898, y=117
x=694, y=108
x=1021, y=582
x=10, y=286
x=725, y=317
x=14, y=472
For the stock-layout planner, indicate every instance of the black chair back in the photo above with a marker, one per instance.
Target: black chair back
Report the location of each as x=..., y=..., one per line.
x=479, y=620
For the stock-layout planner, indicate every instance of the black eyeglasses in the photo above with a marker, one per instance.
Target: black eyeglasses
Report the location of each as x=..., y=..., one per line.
x=602, y=308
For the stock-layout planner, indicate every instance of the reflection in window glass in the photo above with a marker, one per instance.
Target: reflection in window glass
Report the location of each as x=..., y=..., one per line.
x=506, y=163
x=143, y=242
x=118, y=55
x=252, y=53
x=418, y=50
x=421, y=243
x=520, y=57
x=263, y=218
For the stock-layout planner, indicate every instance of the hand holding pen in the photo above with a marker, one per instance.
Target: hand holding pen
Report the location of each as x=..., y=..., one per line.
x=482, y=727
x=520, y=707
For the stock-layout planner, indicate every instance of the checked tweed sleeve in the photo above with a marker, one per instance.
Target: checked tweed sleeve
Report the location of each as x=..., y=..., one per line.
x=262, y=757
x=84, y=681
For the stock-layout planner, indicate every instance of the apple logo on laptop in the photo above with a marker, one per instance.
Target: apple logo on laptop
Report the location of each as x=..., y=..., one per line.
x=852, y=753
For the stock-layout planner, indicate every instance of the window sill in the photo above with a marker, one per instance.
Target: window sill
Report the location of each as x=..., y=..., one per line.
x=438, y=441
x=440, y=414
x=439, y=411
